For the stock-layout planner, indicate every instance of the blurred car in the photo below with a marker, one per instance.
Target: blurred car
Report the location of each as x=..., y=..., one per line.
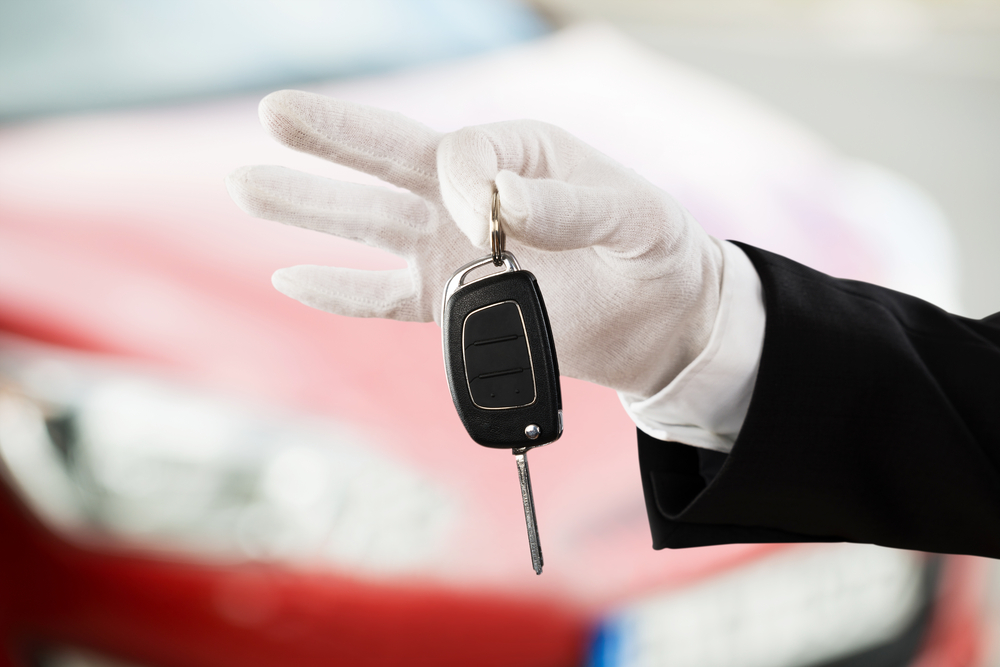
x=199, y=471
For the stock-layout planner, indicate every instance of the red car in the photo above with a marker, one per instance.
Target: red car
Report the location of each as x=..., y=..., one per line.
x=199, y=471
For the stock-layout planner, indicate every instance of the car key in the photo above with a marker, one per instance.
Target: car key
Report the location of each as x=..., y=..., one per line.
x=501, y=362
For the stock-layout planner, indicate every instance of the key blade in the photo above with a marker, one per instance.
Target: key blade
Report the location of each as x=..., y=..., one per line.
x=521, y=456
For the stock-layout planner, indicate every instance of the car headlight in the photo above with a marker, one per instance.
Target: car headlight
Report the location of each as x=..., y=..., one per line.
x=802, y=606
x=98, y=450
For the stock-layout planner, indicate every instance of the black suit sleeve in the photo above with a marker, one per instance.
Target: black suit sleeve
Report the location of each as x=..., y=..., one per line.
x=875, y=418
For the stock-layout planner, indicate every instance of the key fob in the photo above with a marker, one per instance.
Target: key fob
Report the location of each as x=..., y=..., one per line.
x=500, y=358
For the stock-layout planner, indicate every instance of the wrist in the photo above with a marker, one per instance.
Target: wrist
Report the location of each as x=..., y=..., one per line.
x=705, y=403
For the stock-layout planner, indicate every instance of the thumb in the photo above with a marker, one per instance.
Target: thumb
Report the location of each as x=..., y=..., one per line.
x=554, y=215
x=556, y=192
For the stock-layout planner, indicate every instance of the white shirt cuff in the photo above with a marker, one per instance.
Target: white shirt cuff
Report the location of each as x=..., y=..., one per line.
x=705, y=405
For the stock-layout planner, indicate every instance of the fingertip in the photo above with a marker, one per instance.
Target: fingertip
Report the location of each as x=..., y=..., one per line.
x=290, y=117
x=237, y=187
x=278, y=105
x=284, y=280
x=235, y=179
x=244, y=187
x=307, y=284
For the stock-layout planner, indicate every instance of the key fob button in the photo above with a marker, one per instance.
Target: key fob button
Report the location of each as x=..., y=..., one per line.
x=497, y=362
x=498, y=392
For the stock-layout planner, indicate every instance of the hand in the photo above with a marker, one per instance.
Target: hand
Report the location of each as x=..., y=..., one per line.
x=631, y=281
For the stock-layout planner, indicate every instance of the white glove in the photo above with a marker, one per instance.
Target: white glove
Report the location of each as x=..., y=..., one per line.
x=631, y=282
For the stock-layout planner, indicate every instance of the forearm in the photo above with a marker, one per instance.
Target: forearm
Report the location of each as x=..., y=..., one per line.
x=873, y=419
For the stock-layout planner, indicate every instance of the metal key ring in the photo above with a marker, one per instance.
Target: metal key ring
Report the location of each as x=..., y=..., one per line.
x=498, y=240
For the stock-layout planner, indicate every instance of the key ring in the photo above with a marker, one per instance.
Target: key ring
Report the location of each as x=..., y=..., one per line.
x=498, y=240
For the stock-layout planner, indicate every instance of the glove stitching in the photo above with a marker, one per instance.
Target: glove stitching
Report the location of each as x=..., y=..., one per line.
x=334, y=145
x=373, y=154
x=298, y=208
x=361, y=214
x=346, y=296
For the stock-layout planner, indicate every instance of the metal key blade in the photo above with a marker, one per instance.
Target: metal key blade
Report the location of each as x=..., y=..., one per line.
x=521, y=455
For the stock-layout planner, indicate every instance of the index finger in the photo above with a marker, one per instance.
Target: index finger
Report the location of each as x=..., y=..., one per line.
x=382, y=143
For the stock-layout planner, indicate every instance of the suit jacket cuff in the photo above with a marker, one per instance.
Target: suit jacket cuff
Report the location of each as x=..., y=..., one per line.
x=873, y=419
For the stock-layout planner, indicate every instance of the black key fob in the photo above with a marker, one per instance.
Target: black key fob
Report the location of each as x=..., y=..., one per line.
x=500, y=358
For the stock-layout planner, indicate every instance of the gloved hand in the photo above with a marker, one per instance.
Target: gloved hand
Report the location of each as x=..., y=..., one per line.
x=631, y=282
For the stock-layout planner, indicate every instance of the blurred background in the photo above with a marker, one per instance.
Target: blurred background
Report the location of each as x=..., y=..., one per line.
x=197, y=471
x=909, y=84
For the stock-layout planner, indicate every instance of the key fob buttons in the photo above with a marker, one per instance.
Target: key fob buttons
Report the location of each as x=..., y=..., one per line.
x=498, y=368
